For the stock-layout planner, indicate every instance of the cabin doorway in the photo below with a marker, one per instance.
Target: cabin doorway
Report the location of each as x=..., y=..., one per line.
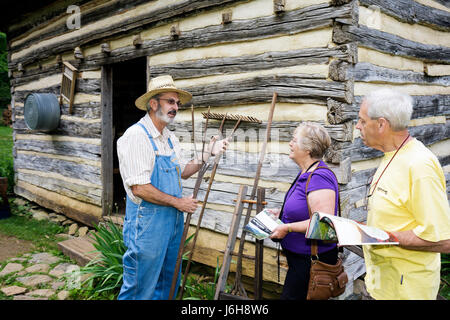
x=127, y=80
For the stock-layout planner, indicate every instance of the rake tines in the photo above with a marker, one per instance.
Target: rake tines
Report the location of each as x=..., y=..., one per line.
x=236, y=117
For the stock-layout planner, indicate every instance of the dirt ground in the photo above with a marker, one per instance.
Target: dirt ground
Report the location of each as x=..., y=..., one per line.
x=11, y=246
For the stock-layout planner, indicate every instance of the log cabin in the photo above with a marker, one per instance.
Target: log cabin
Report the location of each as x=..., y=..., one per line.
x=320, y=56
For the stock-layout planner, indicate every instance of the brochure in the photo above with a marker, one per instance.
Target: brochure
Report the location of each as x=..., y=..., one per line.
x=346, y=232
x=262, y=225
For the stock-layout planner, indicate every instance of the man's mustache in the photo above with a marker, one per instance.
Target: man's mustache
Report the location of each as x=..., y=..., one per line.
x=172, y=112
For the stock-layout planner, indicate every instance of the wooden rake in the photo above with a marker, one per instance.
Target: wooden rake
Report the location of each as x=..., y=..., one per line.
x=205, y=165
x=238, y=288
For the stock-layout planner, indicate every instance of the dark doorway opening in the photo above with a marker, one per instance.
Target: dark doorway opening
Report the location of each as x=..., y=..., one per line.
x=129, y=82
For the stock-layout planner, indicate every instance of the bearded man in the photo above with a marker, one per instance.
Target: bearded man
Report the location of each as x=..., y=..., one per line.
x=152, y=166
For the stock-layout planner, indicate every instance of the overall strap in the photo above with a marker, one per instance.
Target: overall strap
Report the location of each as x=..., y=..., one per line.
x=149, y=136
x=170, y=143
x=314, y=247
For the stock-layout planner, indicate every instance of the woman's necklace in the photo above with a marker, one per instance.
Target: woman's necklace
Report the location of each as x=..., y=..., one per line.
x=314, y=163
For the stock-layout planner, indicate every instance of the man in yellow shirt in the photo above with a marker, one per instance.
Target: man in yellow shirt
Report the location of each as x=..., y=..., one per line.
x=407, y=197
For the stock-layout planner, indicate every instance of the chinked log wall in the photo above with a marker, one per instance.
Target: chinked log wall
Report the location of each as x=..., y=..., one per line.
x=320, y=58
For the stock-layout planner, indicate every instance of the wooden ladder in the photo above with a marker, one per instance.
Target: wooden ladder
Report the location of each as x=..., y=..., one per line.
x=231, y=241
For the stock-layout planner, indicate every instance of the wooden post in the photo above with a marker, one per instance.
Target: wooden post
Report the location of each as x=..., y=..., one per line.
x=221, y=282
x=259, y=248
x=107, y=139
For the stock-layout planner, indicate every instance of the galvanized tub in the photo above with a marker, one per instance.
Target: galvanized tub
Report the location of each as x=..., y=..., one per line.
x=41, y=111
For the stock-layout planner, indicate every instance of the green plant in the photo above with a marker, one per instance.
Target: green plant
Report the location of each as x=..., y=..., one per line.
x=445, y=276
x=6, y=158
x=106, y=271
x=201, y=287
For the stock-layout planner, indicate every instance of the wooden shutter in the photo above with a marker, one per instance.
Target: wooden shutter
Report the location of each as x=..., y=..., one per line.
x=69, y=76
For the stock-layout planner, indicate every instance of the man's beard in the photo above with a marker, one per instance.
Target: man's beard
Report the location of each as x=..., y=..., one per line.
x=164, y=117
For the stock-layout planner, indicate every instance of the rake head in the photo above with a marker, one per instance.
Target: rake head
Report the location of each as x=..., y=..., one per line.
x=236, y=117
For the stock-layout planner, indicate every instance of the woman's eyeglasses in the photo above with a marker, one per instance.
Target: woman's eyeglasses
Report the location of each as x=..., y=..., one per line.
x=172, y=101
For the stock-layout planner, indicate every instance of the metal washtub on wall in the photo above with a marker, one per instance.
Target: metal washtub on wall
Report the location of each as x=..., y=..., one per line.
x=41, y=111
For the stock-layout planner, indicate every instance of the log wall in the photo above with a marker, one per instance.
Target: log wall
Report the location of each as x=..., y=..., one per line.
x=320, y=56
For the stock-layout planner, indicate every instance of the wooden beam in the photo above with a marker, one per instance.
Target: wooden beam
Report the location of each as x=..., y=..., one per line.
x=107, y=136
x=410, y=11
x=368, y=72
x=290, y=88
x=246, y=63
x=108, y=10
x=428, y=134
x=386, y=42
x=309, y=18
x=73, y=209
x=74, y=128
x=74, y=169
x=339, y=112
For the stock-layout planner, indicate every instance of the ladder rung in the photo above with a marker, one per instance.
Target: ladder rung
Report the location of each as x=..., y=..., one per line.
x=246, y=256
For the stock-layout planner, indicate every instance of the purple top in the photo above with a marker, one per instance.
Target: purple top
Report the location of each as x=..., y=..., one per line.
x=295, y=209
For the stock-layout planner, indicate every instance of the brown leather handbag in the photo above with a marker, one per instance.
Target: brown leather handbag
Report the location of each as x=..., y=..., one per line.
x=325, y=280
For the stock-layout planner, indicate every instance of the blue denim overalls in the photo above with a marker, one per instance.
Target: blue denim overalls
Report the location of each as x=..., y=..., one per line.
x=152, y=235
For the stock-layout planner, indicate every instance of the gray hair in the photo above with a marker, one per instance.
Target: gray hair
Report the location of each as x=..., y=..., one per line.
x=394, y=106
x=314, y=138
x=156, y=96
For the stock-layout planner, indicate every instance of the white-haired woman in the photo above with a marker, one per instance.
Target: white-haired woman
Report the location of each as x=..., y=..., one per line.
x=307, y=147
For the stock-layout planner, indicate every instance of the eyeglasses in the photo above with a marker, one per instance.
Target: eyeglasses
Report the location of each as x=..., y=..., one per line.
x=172, y=101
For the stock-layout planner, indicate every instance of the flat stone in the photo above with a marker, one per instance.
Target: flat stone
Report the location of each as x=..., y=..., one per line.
x=68, y=221
x=62, y=269
x=10, y=268
x=63, y=295
x=40, y=267
x=41, y=293
x=40, y=215
x=13, y=290
x=34, y=280
x=117, y=220
x=58, y=284
x=63, y=236
x=18, y=259
x=82, y=231
x=44, y=257
x=20, y=201
x=73, y=228
x=58, y=218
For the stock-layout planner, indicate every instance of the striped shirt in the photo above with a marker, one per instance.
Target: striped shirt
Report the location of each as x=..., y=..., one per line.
x=137, y=157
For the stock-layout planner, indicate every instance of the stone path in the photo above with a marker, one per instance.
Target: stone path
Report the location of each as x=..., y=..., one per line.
x=43, y=276
x=39, y=276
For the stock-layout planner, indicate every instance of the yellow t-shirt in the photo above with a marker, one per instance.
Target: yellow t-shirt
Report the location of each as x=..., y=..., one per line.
x=411, y=195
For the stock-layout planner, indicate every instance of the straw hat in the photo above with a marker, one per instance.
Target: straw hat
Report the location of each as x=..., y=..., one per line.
x=159, y=85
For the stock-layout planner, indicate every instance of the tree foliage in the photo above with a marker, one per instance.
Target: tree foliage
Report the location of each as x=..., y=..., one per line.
x=5, y=95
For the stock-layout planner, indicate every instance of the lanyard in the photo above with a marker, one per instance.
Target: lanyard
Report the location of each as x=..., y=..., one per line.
x=376, y=183
x=293, y=183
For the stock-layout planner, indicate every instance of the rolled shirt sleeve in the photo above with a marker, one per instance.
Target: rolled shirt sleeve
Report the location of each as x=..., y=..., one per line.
x=430, y=209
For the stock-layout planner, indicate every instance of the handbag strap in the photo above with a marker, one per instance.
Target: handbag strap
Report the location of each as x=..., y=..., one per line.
x=314, y=246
